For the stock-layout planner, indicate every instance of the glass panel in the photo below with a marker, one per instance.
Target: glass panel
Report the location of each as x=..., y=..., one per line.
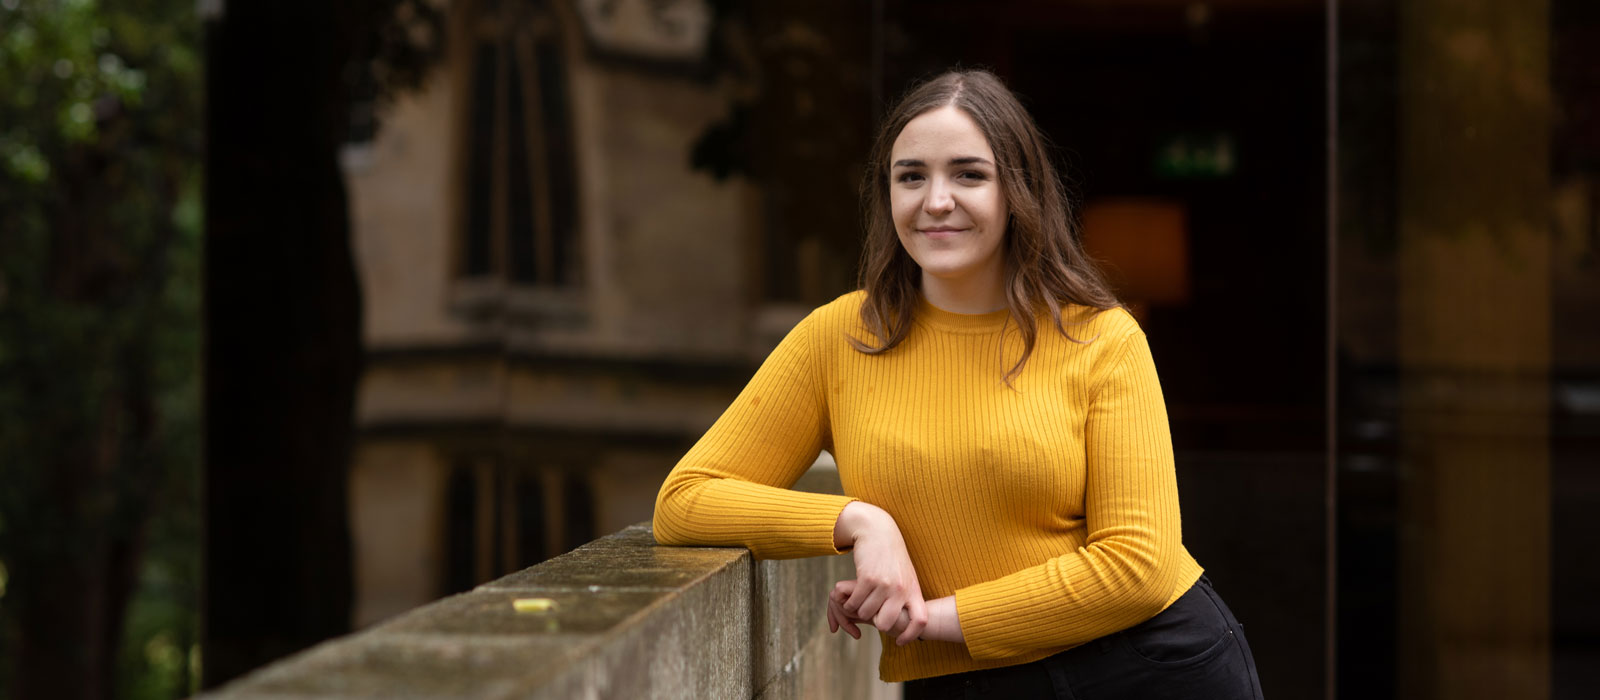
x=1469, y=290
x=531, y=534
x=1575, y=348
x=480, y=164
x=578, y=504
x=1367, y=339
x=461, y=534
x=519, y=181
x=560, y=176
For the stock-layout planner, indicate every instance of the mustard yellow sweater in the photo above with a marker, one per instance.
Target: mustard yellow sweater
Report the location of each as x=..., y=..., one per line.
x=1049, y=508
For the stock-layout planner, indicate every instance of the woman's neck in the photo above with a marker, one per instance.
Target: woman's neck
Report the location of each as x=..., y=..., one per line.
x=978, y=294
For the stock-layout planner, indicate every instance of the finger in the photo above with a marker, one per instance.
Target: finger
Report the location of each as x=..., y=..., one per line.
x=833, y=622
x=844, y=621
x=856, y=597
x=899, y=625
x=889, y=614
x=900, y=628
x=870, y=607
x=842, y=590
x=917, y=621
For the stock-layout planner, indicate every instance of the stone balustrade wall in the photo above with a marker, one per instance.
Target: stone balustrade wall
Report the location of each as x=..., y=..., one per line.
x=627, y=619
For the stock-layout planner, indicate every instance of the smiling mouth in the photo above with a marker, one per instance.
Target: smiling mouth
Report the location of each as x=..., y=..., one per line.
x=943, y=232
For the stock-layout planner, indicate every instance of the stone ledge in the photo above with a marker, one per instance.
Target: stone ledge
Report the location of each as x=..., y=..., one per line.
x=630, y=620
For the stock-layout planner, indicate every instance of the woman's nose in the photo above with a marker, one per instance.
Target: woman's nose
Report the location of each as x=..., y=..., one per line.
x=939, y=199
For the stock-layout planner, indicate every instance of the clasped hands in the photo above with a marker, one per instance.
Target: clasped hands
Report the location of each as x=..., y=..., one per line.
x=885, y=592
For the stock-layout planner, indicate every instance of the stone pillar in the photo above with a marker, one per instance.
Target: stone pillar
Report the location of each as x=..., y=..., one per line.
x=1474, y=336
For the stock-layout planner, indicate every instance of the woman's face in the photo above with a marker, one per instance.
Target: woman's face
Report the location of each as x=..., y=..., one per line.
x=944, y=193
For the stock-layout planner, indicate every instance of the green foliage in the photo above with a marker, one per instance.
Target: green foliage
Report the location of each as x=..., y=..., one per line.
x=99, y=308
x=160, y=644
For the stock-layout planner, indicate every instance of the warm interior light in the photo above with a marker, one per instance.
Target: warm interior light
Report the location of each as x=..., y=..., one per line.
x=1142, y=244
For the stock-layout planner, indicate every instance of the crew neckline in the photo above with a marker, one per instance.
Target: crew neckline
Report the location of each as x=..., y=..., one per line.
x=939, y=318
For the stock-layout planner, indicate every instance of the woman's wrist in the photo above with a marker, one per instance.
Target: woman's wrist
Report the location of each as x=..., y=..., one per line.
x=856, y=519
x=944, y=624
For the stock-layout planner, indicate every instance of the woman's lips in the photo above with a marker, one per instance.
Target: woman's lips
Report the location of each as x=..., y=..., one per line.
x=941, y=232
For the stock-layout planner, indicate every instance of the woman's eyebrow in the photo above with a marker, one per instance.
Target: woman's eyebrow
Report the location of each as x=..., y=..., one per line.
x=963, y=160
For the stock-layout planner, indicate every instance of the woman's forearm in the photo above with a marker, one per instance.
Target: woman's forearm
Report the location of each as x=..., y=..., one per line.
x=944, y=625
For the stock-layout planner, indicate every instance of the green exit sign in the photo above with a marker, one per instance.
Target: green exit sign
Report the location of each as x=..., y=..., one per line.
x=1196, y=157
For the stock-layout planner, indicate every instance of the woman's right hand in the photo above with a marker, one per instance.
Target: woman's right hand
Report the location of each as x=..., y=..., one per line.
x=885, y=582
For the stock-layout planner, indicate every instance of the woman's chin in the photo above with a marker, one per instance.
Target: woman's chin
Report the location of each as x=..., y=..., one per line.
x=950, y=270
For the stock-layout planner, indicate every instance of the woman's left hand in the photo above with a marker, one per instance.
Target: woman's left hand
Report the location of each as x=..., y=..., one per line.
x=838, y=618
x=944, y=625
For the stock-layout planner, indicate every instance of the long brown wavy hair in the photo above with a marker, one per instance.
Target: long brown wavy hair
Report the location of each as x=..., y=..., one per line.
x=1045, y=265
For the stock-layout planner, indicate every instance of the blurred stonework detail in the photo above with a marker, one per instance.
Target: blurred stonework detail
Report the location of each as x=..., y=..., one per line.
x=572, y=259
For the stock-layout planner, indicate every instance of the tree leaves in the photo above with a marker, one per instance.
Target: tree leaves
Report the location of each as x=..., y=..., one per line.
x=99, y=306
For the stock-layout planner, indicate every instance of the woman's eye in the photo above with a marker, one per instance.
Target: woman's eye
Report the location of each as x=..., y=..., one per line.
x=908, y=177
x=973, y=175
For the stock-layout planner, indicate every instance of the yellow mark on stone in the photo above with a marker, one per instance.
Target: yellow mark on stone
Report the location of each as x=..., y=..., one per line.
x=533, y=605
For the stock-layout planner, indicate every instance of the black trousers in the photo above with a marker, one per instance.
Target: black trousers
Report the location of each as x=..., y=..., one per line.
x=1193, y=650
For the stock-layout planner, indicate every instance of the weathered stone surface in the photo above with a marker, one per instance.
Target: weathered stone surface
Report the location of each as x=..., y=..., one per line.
x=689, y=645
x=620, y=565
x=832, y=666
x=696, y=645
x=400, y=666
x=638, y=535
x=790, y=608
x=630, y=620
x=491, y=612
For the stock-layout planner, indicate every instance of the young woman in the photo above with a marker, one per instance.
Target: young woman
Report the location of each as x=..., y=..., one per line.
x=1000, y=433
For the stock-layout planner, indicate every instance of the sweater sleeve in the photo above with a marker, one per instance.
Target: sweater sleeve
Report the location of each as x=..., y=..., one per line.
x=732, y=488
x=1128, y=567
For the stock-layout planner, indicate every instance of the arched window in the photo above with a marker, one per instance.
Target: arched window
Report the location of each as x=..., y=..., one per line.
x=518, y=218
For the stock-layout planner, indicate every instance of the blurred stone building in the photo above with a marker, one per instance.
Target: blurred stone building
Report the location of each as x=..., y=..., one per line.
x=570, y=267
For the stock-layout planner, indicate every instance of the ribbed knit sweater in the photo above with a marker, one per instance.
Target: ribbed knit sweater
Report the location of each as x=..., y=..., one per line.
x=1048, y=507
